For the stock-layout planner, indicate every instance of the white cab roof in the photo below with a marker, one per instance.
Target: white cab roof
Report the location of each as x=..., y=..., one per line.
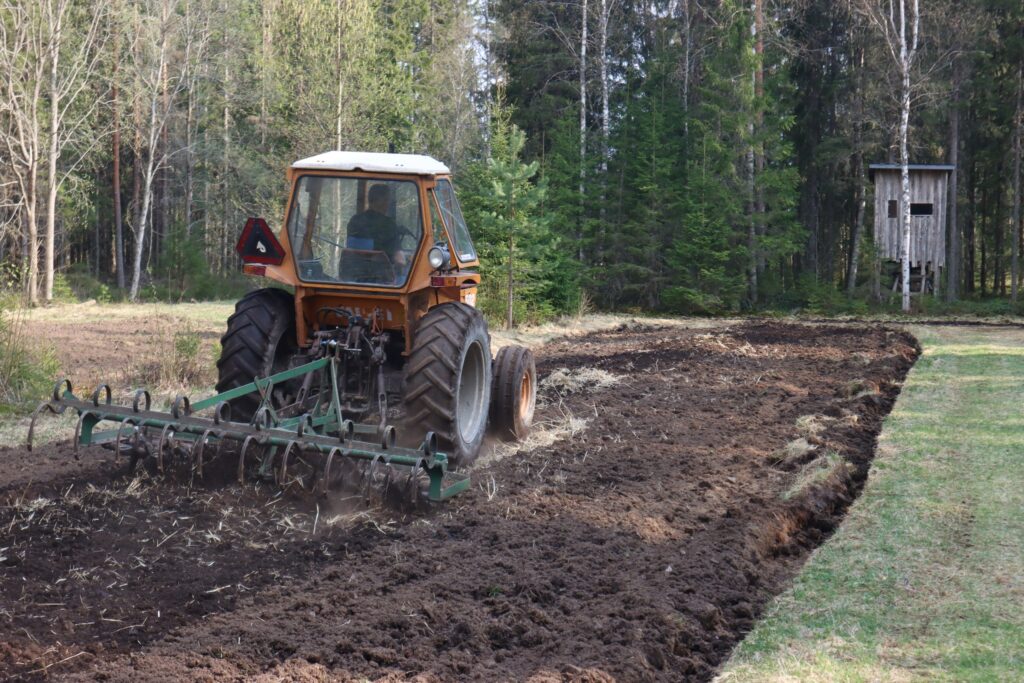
x=416, y=164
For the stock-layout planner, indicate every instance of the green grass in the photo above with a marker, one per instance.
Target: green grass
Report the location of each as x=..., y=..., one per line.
x=925, y=578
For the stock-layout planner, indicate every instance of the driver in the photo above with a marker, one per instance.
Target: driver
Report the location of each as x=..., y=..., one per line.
x=374, y=229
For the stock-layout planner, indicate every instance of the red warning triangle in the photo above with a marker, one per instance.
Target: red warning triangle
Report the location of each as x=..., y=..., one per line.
x=258, y=244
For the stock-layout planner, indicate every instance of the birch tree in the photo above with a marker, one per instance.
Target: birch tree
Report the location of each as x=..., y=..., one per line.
x=900, y=34
x=73, y=56
x=22, y=78
x=584, y=16
x=152, y=58
x=1018, y=122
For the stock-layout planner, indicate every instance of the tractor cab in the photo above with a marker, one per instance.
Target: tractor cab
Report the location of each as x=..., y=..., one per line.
x=377, y=234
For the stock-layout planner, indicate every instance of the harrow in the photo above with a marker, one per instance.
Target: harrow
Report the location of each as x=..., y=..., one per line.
x=315, y=452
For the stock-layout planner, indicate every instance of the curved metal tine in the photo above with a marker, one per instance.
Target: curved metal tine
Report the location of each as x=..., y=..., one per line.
x=129, y=421
x=140, y=394
x=197, y=456
x=164, y=437
x=241, y=458
x=323, y=483
x=78, y=431
x=96, y=395
x=140, y=450
x=56, y=410
x=369, y=476
x=282, y=472
x=411, y=495
x=383, y=490
x=181, y=402
x=58, y=395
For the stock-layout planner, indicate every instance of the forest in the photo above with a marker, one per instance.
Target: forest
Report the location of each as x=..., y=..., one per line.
x=680, y=156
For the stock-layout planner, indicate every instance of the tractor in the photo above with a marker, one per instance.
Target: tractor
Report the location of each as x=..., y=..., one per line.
x=378, y=327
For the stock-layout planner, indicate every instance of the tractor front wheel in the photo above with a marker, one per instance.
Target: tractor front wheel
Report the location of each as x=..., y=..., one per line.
x=448, y=379
x=259, y=341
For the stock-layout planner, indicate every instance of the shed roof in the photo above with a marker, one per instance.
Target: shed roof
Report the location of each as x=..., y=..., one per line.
x=913, y=167
x=415, y=164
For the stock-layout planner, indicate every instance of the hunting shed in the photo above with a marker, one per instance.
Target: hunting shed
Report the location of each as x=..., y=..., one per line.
x=928, y=189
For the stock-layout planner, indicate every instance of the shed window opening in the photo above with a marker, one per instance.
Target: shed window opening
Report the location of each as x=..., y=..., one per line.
x=920, y=209
x=893, y=208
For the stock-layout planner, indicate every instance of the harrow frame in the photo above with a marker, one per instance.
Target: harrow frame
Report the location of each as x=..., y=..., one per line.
x=322, y=433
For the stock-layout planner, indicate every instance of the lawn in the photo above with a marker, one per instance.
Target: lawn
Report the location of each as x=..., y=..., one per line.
x=925, y=578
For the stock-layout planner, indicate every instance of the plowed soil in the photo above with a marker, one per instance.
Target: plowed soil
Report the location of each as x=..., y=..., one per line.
x=697, y=472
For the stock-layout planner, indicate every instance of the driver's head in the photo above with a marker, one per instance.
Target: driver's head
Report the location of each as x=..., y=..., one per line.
x=379, y=197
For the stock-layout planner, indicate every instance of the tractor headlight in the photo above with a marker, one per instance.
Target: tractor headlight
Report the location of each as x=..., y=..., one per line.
x=437, y=257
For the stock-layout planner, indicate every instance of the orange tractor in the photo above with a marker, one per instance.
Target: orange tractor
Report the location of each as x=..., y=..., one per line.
x=381, y=330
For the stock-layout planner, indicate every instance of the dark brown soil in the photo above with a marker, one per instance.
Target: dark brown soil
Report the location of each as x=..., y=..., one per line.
x=641, y=548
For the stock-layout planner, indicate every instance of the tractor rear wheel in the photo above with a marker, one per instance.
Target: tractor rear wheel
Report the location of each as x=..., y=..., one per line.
x=259, y=341
x=448, y=379
x=513, y=393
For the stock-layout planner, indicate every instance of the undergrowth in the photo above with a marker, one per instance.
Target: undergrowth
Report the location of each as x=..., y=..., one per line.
x=27, y=369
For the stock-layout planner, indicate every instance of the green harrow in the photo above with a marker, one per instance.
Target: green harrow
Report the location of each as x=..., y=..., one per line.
x=316, y=452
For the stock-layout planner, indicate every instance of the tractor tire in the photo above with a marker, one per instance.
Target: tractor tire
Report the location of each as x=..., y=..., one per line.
x=448, y=380
x=513, y=393
x=259, y=341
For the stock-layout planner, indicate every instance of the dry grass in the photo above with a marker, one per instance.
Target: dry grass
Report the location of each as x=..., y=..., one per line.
x=543, y=435
x=565, y=381
x=823, y=468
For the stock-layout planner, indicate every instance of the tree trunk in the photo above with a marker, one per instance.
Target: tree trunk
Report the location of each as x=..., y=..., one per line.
x=755, y=160
x=165, y=172
x=116, y=182
x=51, y=209
x=31, y=199
x=56, y=36
x=511, y=284
x=1015, y=230
x=225, y=203
x=906, y=60
x=140, y=233
x=605, y=122
x=953, y=249
x=999, y=238
x=583, y=123
x=969, y=224
x=856, y=233
x=860, y=189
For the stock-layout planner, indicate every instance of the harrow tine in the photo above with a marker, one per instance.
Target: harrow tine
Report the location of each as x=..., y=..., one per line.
x=141, y=393
x=282, y=470
x=56, y=410
x=128, y=422
x=197, y=456
x=96, y=395
x=78, y=429
x=368, y=477
x=241, y=457
x=166, y=435
x=140, y=450
x=323, y=484
x=411, y=494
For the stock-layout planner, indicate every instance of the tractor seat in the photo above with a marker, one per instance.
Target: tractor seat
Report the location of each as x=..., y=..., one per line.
x=366, y=266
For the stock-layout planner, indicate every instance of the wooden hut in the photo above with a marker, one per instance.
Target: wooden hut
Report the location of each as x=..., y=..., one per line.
x=928, y=186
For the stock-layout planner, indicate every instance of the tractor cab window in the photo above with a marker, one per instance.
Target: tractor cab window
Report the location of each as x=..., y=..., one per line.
x=357, y=231
x=452, y=214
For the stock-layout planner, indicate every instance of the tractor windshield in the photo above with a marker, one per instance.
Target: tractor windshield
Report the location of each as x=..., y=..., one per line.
x=358, y=231
x=455, y=222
